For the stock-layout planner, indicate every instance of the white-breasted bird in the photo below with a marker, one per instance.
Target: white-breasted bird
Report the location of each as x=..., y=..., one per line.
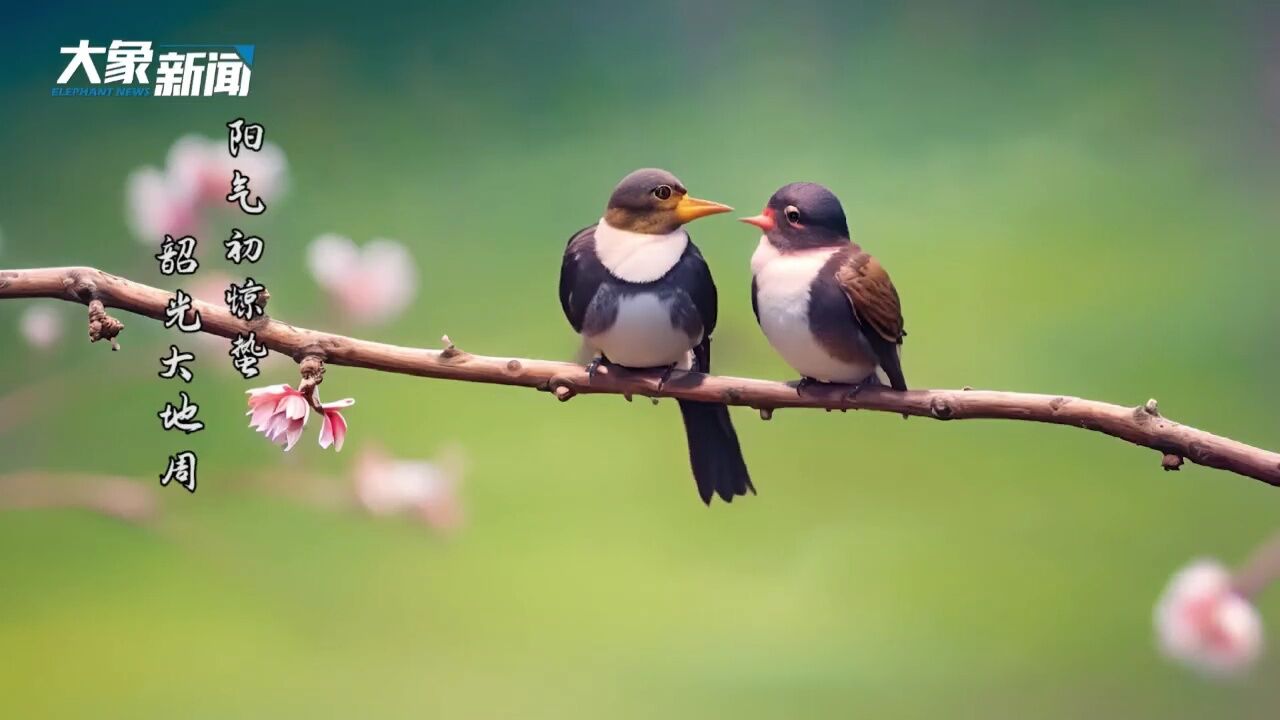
x=638, y=291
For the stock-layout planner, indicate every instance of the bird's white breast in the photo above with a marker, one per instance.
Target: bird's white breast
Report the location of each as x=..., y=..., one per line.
x=643, y=336
x=783, y=285
x=638, y=257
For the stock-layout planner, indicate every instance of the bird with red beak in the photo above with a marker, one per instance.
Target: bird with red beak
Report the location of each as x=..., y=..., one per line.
x=639, y=293
x=826, y=306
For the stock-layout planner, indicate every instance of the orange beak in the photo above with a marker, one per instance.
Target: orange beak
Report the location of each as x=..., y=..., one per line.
x=691, y=208
x=764, y=220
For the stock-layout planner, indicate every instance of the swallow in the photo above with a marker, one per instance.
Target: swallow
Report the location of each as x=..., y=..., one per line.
x=826, y=306
x=637, y=290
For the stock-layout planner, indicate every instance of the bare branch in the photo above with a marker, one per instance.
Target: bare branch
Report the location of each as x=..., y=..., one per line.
x=1141, y=425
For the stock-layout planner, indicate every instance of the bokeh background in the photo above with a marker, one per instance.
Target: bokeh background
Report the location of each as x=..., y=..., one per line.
x=1073, y=198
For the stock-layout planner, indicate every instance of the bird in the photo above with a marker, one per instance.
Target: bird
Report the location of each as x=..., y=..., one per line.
x=825, y=304
x=639, y=293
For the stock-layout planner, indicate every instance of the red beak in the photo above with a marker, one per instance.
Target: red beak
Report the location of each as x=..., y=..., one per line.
x=764, y=220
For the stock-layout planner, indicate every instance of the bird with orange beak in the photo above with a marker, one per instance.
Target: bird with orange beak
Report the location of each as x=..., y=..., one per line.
x=826, y=306
x=639, y=293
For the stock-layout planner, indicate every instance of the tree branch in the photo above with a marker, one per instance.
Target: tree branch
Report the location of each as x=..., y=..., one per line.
x=1142, y=425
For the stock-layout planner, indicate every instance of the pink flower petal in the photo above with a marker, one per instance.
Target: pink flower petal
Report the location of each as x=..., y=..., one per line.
x=294, y=434
x=333, y=428
x=295, y=407
x=261, y=416
x=279, y=424
x=326, y=432
x=339, y=431
x=270, y=390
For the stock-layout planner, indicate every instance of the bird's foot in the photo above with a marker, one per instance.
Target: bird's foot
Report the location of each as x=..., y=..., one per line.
x=872, y=380
x=665, y=376
x=595, y=366
x=805, y=383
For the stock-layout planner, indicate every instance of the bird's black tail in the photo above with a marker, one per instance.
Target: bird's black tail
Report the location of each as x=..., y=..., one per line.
x=718, y=466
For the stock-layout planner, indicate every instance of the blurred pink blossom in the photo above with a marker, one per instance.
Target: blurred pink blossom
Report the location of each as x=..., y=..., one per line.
x=195, y=180
x=125, y=500
x=279, y=412
x=333, y=430
x=1204, y=622
x=158, y=207
x=121, y=498
x=41, y=326
x=369, y=285
x=426, y=489
x=203, y=168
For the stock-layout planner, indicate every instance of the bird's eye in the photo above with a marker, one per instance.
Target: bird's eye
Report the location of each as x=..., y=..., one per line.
x=793, y=215
x=662, y=192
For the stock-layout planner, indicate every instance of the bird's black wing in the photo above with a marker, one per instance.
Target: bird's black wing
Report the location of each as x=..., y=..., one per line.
x=581, y=274
x=755, y=301
x=692, y=275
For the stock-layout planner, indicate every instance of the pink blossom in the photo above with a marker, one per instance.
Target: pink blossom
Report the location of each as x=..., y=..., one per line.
x=194, y=182
x=203, y=168
x=426, y=489
x=279, y=412
x=369, y=285
x=333, y=430
x=1202, y=621
x=157, y=207
x=41, y=326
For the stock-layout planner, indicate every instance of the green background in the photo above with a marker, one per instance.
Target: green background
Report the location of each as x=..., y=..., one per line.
x=1076, y=199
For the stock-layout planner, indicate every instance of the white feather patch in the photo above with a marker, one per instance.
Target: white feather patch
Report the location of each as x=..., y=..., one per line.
x=642, y=335
x=638, y=257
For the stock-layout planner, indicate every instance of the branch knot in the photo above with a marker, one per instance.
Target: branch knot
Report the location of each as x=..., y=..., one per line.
x=312, y=370
x=102, y=326
x=940, y=408
x=450, y=351
x=561, y=387
x=79, y=288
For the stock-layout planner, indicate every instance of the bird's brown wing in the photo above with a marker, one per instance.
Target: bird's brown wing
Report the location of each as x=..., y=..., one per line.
x=877, y=308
